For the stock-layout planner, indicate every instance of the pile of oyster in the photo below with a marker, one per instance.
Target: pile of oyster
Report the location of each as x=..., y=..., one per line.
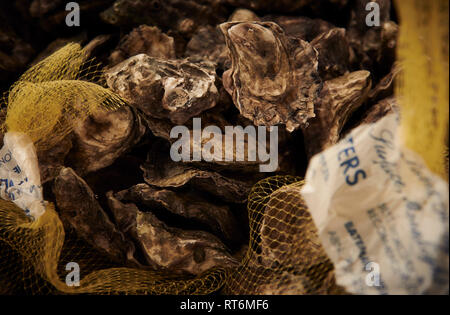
x=312, y=68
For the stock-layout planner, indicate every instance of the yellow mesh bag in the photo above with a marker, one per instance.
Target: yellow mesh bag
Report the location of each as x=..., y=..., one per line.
x=284, y=255
x=52, y=96
x=64, y=64
x=33, y=256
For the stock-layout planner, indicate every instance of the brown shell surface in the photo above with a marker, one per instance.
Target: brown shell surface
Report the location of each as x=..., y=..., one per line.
x=273, y=79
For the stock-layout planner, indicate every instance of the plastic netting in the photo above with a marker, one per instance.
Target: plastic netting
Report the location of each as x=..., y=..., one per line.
x=284, y=254
x=54, y=95
x=35, y=253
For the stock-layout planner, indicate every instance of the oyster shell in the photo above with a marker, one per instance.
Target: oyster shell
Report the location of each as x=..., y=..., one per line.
x=273, y=79
x=339, y=98
x=80, y=211
x=173, y=89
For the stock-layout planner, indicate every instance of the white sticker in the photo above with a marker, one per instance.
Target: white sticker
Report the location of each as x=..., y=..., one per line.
x=382, y=216
x=20, y=179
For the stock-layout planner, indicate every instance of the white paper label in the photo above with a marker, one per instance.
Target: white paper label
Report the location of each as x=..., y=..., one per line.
x=20, y=179
x=382, y=216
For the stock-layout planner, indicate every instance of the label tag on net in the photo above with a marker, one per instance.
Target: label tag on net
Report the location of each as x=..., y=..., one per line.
x=20, y=179
x=382, y=216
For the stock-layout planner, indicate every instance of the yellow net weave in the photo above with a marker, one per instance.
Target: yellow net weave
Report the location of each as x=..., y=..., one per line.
x=33, y=257
x=285, y=255
x=53, y=95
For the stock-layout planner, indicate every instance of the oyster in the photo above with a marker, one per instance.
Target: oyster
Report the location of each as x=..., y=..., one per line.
x=103, y=137
x=190, y=205
x=168, y=248
x=80, y=211
x=273, y=79
x=173, y=89
x=144, y=40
